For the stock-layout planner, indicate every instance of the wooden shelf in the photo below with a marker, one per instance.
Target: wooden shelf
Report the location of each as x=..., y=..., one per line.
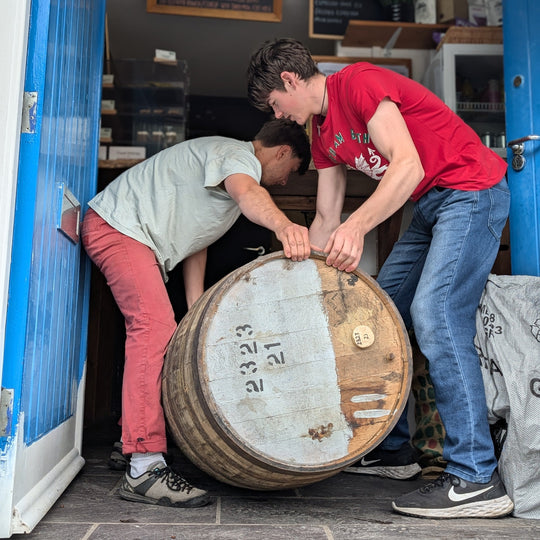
x=378, y=33
x=472, y=34
x=358, y=186
x=117, y=163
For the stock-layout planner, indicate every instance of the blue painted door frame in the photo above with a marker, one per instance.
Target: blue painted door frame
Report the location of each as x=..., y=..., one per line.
x=47, y=312
x=49, y=280
x=522, y=88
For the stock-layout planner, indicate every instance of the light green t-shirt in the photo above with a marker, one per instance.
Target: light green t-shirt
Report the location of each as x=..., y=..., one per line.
x=175, y=202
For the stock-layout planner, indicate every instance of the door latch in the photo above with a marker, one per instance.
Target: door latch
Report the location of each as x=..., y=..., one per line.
x=518, y=147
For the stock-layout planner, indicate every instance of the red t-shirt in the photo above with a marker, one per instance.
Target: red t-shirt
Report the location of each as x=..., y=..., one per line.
x=451, y=153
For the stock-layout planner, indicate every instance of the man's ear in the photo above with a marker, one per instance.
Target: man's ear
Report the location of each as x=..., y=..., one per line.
x=283, y=151
x=289, y=79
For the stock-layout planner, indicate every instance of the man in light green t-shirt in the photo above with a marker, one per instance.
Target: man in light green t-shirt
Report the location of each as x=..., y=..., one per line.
x=163, y=211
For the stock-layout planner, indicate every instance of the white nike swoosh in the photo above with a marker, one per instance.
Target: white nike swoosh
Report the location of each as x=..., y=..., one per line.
x=365, y=462
x=458, y=497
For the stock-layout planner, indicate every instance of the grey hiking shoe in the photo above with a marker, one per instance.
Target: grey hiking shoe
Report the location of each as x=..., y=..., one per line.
x=117, y=460
x=161, y=485
x=398, y=464
x=451, y=497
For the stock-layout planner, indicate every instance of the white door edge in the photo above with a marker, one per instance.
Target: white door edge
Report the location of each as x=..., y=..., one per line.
x=38, y=489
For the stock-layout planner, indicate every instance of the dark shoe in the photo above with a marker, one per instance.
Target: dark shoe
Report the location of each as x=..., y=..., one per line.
x=161, y=485
x=453, y=497
x=396, y=464
x=117, y=460
x=432, y=466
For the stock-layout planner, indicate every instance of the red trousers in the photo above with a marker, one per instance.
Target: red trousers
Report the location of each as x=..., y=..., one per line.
x=133, y=274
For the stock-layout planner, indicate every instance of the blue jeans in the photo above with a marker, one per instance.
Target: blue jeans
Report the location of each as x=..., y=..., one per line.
x=435, y=275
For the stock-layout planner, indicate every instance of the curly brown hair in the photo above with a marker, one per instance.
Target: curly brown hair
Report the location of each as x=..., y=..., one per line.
x=280, y=131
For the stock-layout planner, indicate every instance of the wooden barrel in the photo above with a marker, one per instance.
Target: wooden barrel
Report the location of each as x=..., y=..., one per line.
x=284, y=373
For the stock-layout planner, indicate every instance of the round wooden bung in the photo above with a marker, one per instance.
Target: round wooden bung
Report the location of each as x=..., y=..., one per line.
x=363, y=336
x=263, y=386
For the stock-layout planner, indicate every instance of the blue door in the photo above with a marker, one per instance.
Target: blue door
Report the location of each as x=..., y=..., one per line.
x=522, y=88
x=45, y=345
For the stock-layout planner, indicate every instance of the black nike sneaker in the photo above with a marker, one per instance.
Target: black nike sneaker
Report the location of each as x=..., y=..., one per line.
x=398, y=464
x=453, y=497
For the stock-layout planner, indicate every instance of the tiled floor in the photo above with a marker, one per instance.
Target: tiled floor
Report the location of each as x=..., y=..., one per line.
x=344, y=507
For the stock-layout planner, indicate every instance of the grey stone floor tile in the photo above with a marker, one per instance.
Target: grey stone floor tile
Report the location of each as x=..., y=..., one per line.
x=207, y=532
x=215, y=487
x=359, y=486
x=310, y=511
x=56, y=531
x=92, y=484
x=403, y=527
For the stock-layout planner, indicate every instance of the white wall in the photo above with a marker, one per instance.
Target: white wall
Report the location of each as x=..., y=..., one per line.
x=13, y=40
x=420, y=58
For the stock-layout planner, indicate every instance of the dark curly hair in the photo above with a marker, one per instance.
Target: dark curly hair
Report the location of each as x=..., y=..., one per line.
x=280, y=131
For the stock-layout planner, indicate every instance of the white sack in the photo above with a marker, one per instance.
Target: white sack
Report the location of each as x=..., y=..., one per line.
x=508, y=344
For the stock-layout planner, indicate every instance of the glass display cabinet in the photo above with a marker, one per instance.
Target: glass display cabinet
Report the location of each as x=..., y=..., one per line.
x=144, y=107
x=469, y=79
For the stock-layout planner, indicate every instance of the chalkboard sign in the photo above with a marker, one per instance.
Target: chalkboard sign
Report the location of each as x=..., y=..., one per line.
x=329, y=18
x=256, y=10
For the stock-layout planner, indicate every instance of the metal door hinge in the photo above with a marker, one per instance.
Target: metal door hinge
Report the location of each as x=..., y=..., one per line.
x=29, y=112
x=6, y=411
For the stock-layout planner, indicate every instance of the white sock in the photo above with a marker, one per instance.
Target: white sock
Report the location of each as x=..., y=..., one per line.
x=139, y=463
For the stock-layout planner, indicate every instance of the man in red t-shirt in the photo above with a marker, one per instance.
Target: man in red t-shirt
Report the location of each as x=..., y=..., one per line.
x=399, y=133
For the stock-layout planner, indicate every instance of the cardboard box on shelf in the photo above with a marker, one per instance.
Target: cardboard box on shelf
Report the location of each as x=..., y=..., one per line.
x=127, y=152
x=425, y=12
x=450, y=10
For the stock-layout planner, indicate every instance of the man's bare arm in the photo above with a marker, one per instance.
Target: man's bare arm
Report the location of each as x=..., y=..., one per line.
x=390, y=135
x=257, y=205
x=330, y=196
x=194, y=268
